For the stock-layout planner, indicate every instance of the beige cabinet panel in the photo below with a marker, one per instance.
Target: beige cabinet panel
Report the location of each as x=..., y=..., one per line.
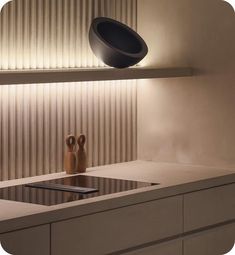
x=209, y=207
x=216, y=241
x=31, y=241
x=118, y=229
x=169, y=248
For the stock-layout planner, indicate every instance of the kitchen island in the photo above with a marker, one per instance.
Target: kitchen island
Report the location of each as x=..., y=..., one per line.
x=191, y=211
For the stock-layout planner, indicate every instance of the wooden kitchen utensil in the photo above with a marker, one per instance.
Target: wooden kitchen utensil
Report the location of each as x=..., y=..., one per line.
x=81, y=155
x=70, y=155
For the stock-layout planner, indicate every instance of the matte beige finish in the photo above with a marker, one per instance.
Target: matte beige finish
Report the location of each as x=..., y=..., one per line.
x=188, y=120
x=208, y=207
x=114, y=218
x=174, y=179
x=73, y=75
x=31, y=241
x=217, y=241
x=119, y=229
x=169, y=248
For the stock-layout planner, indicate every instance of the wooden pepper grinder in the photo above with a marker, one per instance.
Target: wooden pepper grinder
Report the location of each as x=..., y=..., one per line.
x=81, y=155
x=70, y=155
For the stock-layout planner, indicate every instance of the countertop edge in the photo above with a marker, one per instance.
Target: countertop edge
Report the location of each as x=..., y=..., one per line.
x=48, y=215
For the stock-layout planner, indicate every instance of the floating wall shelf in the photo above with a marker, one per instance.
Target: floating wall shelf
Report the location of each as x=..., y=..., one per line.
x=92, y=74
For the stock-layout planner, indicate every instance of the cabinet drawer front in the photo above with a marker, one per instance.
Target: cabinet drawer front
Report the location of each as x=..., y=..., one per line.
x=29, y=241
x=209, y=207
x=216, y=241
x=169, y=248
x=118, y=229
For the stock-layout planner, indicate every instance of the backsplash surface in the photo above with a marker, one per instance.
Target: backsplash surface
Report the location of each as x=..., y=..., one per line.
x=35, y=118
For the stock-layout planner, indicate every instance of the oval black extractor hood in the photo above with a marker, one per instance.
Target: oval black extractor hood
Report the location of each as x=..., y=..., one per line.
x=116, y=44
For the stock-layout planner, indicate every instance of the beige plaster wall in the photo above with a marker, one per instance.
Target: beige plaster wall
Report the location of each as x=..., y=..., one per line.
x=188, y=120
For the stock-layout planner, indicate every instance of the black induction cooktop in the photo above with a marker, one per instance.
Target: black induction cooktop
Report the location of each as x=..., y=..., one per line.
x=68, y=189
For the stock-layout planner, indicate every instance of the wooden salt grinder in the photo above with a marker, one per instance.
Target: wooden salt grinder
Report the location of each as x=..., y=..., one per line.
x=81, y=155
x=70, y=155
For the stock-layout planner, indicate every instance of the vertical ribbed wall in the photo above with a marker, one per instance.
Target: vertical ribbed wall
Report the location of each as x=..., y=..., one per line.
x=53, y=33
x=36, y=118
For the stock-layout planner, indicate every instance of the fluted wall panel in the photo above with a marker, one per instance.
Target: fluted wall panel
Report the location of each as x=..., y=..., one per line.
x=35, y=118
x=54, y=33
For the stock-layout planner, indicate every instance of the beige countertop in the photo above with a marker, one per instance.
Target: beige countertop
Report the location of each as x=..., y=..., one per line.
x=173, y=179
